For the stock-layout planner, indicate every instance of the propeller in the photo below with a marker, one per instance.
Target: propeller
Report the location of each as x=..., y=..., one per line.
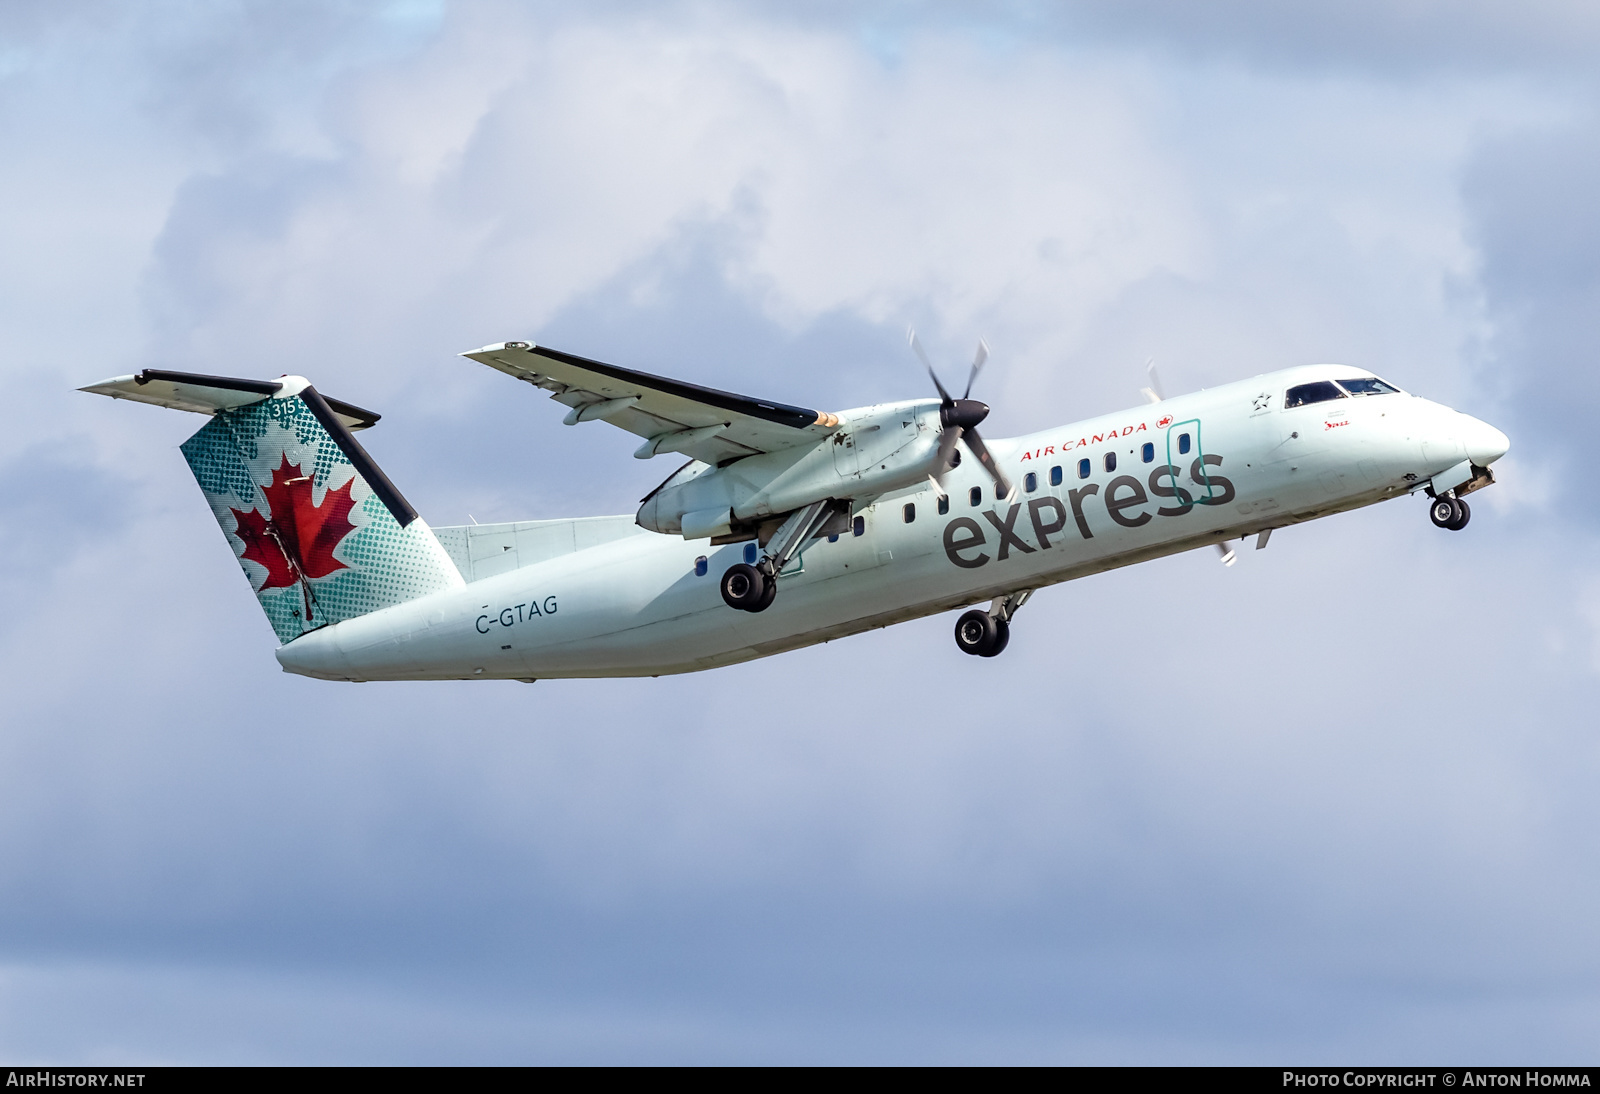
x=1153, y=393
x=960, y=419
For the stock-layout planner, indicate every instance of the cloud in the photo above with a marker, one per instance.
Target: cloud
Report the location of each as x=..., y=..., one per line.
x=1331, y=802
x=1536, y=223
x=1410, y=39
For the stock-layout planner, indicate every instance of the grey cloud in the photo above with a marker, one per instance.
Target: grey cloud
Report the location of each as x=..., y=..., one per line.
x=1535, y=218
x=1334, y=802
x=1408, y=37
x=1405, y=39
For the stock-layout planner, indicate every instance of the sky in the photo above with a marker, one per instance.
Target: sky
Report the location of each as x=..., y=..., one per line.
x=1332, y=804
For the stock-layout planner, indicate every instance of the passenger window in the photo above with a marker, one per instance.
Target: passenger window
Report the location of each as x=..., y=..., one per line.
x=944, y=504
x=1030, y=482
x=975, y=496
x=909, y=512
x=1055, y=475
x=860, y=526
x=834, y=538
x=700, y=565
x=751, y=551
x=1148, y=452
x=1369, y=385
x=1083, y=469
x=1183, y=444
x=1319, y=392
x=1111, y=461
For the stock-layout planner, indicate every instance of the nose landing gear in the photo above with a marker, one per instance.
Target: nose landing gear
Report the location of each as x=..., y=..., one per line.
x=1448, y=511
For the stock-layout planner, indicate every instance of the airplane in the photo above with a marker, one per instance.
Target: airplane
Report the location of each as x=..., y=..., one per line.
x=787, y=527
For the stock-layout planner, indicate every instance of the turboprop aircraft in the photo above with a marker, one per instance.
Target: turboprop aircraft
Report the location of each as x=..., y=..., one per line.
x=787, y=526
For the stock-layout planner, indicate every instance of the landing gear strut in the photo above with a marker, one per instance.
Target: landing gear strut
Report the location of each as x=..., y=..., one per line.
x=986, y=633
x=1449, y=511
x=752, y=588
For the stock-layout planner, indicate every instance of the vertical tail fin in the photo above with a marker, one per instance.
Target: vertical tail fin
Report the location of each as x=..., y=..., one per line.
x=319, y=530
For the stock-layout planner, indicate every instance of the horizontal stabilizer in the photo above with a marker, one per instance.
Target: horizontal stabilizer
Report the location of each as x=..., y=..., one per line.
x=320, y=532
x=208, y=394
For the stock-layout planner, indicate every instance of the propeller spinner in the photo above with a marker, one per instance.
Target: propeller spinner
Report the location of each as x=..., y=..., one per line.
x=960, y=418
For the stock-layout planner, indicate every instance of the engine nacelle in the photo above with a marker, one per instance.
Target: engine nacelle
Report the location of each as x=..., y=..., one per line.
x=875, y=450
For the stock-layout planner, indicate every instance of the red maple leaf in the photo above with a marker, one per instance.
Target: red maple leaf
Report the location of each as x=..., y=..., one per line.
x=295, y=540
x=309, y=532
x=261, y=546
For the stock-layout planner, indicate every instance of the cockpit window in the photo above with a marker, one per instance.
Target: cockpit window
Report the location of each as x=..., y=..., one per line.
x=1319, y=392
x=1368, y=385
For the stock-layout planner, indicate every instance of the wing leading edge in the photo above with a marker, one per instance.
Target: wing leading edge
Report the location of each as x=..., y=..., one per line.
x=700, y=422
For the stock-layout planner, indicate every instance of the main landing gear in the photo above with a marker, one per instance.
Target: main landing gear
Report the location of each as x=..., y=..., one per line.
x=985, y=633
x=1449, y=511
x=748, y=588
x=752, y=587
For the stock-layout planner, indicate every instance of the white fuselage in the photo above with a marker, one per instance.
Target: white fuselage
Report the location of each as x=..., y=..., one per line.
x=635, y=605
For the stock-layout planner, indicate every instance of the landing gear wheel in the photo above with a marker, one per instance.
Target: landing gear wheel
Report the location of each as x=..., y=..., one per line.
x=1002, y=635
x=977, y=633
x=768, y=594
x=743, y=587
x=1444, y=512
x=1461, y=521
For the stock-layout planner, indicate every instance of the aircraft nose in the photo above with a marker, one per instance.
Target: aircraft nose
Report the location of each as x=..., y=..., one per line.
x=1484, y=442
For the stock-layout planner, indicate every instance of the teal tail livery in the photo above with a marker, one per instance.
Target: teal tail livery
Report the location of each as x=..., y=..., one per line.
x=320, y=532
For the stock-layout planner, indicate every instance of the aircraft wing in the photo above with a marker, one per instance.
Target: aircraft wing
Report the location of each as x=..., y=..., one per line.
x=700, y=422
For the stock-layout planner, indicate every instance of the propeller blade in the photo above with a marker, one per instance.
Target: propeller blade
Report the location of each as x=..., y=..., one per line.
x=977, y=363
x=1153, y=393
x=916, y=347
x=947, y=445
x=1225, y=554
x=980, y=450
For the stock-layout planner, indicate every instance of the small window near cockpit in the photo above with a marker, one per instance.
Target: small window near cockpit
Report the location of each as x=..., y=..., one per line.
x=1030, y=482
x=1055, y=475
x=1319, y=392
x=909, y=512
x=1368, y=385
x=700, y=566
x=1183, y=444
